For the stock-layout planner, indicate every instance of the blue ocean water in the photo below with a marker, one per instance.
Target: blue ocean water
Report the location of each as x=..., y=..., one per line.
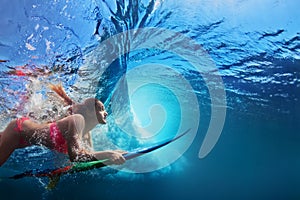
x=227, y=69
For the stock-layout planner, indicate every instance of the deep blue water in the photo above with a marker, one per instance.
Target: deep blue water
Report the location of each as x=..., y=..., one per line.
x=227, y=69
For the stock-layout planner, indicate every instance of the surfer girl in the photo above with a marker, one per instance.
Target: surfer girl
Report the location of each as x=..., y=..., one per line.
x=65, y=135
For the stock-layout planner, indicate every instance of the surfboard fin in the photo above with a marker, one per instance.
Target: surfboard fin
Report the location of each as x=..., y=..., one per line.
x=53, y=181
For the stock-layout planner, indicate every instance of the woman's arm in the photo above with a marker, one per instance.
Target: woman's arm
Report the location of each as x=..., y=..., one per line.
x=87, y=140
x=110, y=157
x=78, y=154
x=73, y=126
x=113, y=157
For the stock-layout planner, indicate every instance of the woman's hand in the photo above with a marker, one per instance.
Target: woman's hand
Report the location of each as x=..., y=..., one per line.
x=114, y=157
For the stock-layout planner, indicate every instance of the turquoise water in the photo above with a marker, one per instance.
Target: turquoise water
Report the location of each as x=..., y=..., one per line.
x=227, y=69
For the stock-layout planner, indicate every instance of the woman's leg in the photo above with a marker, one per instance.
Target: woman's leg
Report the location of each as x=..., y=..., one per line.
x=9, y=142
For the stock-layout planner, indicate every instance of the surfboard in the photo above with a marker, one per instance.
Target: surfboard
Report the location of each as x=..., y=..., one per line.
x=55, y=174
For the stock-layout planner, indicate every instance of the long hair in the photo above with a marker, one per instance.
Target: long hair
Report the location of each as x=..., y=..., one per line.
x=75, y=108
x=58, y=89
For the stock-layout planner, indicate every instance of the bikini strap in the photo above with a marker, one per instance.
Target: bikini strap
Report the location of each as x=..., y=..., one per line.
x=19, y=129
x=20, y=121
